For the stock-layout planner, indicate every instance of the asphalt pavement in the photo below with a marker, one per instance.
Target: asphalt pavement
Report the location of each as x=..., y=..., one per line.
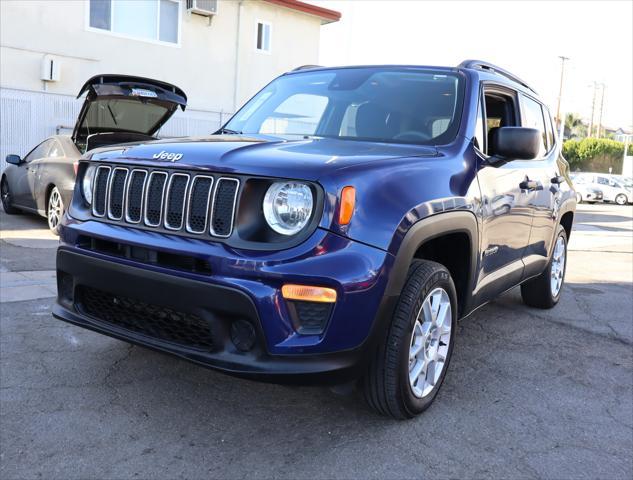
x=529, y=393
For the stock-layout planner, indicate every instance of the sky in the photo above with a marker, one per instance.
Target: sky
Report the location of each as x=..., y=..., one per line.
x=525, y=38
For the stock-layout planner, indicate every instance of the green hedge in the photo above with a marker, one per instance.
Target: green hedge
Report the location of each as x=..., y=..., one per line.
x=594, y=155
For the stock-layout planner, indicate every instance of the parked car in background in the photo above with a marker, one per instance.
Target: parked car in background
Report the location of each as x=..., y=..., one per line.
x=613, y=189
x=117, y=109
x=587, y=193
x=336, y=228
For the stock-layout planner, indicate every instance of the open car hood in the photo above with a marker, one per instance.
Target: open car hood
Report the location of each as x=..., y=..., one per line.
x=122, y=104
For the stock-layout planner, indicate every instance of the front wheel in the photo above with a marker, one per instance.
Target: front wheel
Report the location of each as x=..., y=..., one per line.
x=621, y=199
x=55, y=210
x=7, y=199
x=579, y=198
x=544, y=291
x=409, y=365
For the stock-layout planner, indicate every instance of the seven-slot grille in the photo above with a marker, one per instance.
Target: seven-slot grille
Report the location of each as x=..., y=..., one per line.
x=175, y=201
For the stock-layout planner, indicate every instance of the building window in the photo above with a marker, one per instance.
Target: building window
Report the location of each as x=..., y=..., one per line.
x=263, y=36
x=144, y=19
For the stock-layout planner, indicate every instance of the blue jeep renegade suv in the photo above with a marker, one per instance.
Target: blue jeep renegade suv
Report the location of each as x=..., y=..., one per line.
x=335, y=228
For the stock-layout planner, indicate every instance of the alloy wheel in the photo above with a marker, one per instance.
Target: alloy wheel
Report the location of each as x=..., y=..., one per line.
x=5, y=194
x=430, y=341
x=621, y=199
x=55, y=209
x=558, y=266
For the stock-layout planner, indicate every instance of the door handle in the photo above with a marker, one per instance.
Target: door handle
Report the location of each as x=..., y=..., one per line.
x=558, y=179
x=530, y=185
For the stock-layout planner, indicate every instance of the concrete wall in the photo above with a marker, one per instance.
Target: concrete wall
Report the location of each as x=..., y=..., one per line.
x=204, y=64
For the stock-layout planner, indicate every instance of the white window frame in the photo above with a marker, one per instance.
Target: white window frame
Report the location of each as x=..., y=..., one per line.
x=270, y=37
x=110, y=33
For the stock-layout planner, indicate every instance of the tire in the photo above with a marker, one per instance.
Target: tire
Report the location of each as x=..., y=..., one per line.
x=544, y=291
x=621, y=199
x=54, y=210
x=578, y=198
x=388, y=386
x=6, y=198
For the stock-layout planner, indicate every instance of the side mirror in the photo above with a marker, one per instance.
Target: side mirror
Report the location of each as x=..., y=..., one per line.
x=515, y=143
x=14, y=159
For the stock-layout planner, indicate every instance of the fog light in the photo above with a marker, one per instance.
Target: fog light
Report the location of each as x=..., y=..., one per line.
x=243, y=335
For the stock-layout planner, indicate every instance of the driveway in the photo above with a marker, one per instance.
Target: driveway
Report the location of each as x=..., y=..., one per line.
x=530, y=393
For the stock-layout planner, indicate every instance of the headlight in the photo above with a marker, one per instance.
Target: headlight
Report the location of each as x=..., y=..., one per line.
x=288, y=206
x=86, y=183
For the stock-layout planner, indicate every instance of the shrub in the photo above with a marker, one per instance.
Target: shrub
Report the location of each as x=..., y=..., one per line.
x=594, y=154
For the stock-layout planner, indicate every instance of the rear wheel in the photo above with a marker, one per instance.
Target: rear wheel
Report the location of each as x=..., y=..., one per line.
x=54, y=210
x=544, y=291
x=7, y=198
x=409, y=365
x=621, y=199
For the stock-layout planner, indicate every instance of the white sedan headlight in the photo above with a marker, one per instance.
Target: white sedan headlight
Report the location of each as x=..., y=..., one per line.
x=86, y=183
x=288, y=207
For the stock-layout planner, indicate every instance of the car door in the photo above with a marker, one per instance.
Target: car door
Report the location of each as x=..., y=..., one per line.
x=544, y=172
x=26, y=177
x=506, y=214
x=609, y=191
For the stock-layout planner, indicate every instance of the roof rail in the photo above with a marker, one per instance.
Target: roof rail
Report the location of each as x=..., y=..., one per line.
x=489, y=67
x=305, y=67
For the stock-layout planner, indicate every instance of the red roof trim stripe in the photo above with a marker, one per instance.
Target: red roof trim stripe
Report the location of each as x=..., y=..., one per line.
x=327, y=15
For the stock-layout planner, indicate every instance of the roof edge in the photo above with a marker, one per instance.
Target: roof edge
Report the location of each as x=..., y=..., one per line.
x=325, y=14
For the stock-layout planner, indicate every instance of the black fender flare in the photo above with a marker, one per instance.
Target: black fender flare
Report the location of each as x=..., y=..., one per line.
x=427, y=229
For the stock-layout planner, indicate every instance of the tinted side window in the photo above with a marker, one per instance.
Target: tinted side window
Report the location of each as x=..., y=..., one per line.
x=603, y=181
x=38, y=152
x=56, y=150
x=532, y=117
x=500, y=112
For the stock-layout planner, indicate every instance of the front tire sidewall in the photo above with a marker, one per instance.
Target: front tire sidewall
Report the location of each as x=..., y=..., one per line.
x=413, y=404
x=6, y=202
x=556, y=298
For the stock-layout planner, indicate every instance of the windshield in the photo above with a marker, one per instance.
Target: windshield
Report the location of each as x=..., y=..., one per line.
x=401, y=105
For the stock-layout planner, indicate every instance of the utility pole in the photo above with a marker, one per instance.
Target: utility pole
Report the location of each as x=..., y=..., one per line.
x=560, y=88
x=601, y=107
x=593, y=109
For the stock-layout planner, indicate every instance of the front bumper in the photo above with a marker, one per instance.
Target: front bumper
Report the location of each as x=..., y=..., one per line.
x=238, y=288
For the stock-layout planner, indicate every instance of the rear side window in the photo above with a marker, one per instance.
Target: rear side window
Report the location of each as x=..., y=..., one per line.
x=56, y=150
x=532, y=117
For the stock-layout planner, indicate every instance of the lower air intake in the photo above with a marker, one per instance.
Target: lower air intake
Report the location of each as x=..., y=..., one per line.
x=154, y=321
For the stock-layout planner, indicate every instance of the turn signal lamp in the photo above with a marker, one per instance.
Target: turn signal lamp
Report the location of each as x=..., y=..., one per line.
x=348, y=202
x=306, y=293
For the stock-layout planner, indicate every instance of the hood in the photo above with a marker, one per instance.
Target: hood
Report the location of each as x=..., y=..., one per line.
x=308, y=159
x=125, y=104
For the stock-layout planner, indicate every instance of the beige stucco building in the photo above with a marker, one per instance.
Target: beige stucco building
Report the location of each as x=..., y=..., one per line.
x=219, y=60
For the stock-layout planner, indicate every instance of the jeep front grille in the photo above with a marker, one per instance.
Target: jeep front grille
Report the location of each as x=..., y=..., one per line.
x=165, y=200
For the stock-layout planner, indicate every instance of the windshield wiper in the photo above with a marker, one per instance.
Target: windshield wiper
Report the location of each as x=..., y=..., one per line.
x=227, y=131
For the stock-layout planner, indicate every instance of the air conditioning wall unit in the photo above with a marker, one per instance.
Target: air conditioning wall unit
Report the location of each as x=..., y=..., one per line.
x=50, y=69
x=206, y=8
